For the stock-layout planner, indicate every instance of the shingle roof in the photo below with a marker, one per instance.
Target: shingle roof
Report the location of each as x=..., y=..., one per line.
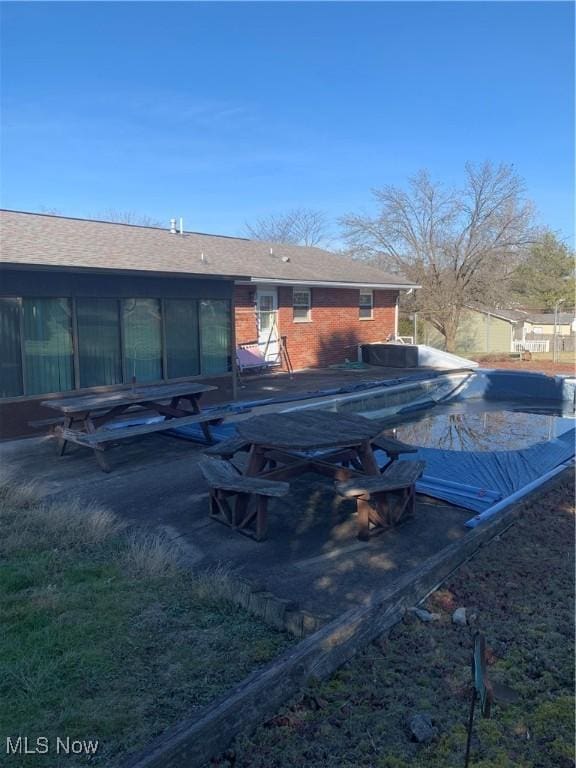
x=511, y=315
x=56, y=241
x=521, y=315
x=547, y=318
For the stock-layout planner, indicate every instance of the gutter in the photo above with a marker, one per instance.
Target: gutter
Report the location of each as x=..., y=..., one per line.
x=327, y=283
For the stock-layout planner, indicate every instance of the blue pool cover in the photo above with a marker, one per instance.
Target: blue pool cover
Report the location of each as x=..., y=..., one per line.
x=489, y=476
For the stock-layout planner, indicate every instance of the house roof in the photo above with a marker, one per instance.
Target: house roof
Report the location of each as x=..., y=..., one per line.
x=47, y=241
x=524, y=315
x=510, y=315
x=547, y=318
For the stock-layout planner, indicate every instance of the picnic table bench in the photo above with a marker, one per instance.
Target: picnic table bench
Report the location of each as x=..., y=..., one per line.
x=94, y=421
x=375, y=494
x=224, y=480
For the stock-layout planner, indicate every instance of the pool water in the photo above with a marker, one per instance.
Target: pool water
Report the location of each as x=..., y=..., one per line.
x=479, y=426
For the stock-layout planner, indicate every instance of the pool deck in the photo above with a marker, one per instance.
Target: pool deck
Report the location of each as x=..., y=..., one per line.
x=311, y=556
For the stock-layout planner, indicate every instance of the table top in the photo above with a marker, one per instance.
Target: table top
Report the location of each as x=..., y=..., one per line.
x=308, y=429
x=158, y=392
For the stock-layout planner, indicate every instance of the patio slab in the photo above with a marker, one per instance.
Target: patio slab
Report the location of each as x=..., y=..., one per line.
x=311, y=556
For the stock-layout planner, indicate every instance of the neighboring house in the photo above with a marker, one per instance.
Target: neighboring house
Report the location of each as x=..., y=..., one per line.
x=88, y=305
x=538, y=325
x=480, y=332
x=493, y=331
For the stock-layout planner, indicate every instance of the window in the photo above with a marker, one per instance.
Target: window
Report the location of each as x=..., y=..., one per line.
x=47, y=345
x=99, y=356
x=10, y=349
x=215, y=336
x=537, y=329
x=365, y=305
x=115, y=340
x=182, y=342
x=301, y=303
x=142, y=326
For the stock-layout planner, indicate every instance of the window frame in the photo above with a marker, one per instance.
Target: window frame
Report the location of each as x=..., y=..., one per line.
x=307, y=306
x=361, y=306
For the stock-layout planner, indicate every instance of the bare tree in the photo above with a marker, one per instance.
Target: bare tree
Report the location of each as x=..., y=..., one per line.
x=460, y=245
x=128, y=217
x=300, y=226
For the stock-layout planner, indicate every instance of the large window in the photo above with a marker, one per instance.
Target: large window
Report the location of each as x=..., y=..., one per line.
x=47, y=345
x=10, y=349
x=109, y=341
x=301, y=303
x=182, y=342
x=215, y=336
x=142, y=339
x=99, y=357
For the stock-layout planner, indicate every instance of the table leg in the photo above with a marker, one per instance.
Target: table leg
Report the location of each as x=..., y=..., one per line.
x=195, y=405
x=62, y=442
x=98, y=450
x=370, y=466
x=363, y=509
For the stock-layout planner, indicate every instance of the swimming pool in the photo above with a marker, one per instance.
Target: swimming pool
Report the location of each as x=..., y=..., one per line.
x=486, y=436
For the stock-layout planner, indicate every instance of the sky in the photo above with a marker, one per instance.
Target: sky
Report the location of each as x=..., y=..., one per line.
x=225, y=112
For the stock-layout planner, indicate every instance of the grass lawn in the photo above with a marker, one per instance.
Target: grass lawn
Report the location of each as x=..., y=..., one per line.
x=522, y=588
x=104, y=636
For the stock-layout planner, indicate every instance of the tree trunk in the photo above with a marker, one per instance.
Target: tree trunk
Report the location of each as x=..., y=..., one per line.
x=450, y=341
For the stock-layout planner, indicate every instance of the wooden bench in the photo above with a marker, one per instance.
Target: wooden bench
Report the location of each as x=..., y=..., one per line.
x=392, y=447
x=227, y=448
x=99, y=439
x=395, y=491
x=224, y=482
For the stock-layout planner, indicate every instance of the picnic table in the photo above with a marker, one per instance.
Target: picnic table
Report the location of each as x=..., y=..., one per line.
x=285, y=445
x=94, y=421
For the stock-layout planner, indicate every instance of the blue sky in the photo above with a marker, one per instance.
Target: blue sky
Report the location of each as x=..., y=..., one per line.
x=221, y=113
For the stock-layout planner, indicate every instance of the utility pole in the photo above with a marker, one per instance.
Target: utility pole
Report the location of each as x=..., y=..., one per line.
x=555, y=355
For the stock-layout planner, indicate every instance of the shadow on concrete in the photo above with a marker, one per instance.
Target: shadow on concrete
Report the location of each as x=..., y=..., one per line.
x=311, y=556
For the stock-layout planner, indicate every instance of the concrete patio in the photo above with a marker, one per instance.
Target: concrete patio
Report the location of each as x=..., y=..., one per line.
x=311, y=556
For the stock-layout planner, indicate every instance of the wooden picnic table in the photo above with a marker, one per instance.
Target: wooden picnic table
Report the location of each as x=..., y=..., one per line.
x=286, y=445
x=95, y=420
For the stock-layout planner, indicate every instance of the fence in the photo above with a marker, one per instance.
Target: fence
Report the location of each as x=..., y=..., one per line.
x=531, y=346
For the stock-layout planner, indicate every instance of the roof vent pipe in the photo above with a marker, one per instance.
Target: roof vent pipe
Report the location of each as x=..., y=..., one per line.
x=181, y=225
x=172, y=226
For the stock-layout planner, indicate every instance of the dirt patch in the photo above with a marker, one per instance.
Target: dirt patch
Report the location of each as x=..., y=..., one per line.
x=565, y=367
x=521, y=589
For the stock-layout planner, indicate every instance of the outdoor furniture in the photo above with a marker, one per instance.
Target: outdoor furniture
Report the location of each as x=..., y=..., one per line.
x=93, y=421
x=285, y=445
x=225, y=482
x=383, y=501
x=250, y=357
x=227, y=448
x=393, y=448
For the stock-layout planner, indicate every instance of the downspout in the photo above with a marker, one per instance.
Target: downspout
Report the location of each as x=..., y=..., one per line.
x=396, y=315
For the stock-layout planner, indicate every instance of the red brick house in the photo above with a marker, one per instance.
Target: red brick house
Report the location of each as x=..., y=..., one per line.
x=87, y=305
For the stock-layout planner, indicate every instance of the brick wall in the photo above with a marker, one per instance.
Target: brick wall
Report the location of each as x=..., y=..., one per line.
x=334, y=331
